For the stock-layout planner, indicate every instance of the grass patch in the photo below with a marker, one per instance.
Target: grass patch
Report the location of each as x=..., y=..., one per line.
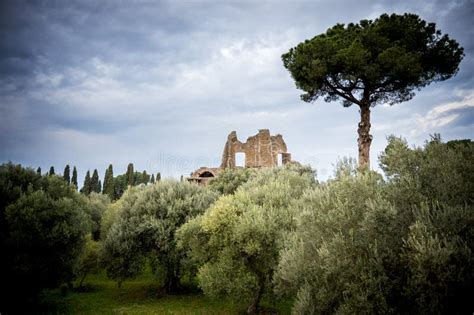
x=142, y=296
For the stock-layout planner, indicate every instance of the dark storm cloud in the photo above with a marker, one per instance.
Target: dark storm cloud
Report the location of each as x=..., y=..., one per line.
x=131, y=78
x=49, y=35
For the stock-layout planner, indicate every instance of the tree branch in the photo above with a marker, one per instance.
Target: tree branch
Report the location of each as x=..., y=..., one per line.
x=346, y=96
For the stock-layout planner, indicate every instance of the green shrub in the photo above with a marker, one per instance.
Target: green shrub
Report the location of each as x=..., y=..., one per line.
x=334, y=260
x=404, y=245
x=96, y=207
x=89, y=260
x=44, y=236
x=438, y=253
x=432, y=188
x=438, y=171
x=145, y=225
x=237, y=241
x=229, y=180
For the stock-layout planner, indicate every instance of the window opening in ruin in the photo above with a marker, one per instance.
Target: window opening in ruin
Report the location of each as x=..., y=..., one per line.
x=240, y=159
x=206, y=174
x=280, y=159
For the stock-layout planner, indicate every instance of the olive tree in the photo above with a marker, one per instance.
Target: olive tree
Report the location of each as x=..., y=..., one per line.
x=333, y=262
x=437, y=171
x=89, y=260
x=372, y=62
x=144, y=228
x=432, y=188
x=438, y=256
x=43, y=234
x=401, y=245
x=229, y=180
x=237, y=241
x=96, y=207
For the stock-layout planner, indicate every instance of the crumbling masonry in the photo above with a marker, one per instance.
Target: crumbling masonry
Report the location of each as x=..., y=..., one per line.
x=261, y=150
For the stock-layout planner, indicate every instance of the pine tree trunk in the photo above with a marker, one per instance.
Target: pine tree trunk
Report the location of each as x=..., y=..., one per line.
x=365, y=139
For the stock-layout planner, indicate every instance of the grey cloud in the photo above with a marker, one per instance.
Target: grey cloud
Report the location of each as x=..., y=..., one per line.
x=142, y=76
x=465, y=118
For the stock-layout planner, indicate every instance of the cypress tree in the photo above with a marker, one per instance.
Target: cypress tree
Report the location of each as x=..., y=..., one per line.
x=158, y=176
x=95, y=182
x=145, y=178
x=106, y=178
x=86, y=189
x=109, y=187
x=152, y=179
x=38, y=171
x=51, y=171
x=74, y=177
x=100, y=186
x=130, y=175
x=66, y=174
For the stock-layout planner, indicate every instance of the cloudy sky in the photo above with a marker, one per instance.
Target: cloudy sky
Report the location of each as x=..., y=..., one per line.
x=162, y=83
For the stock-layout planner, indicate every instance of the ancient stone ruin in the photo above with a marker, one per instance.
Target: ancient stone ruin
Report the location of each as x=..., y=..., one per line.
x=261, y=150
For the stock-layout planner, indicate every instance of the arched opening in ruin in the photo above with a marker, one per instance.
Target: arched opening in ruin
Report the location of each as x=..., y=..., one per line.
x=280, y=159
x=240, y=159
x=206, y=174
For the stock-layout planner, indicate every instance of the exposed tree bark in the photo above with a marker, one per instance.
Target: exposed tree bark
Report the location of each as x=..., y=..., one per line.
x=253, y=308
x=365, y=138
x=172, y=284
x=82, y=279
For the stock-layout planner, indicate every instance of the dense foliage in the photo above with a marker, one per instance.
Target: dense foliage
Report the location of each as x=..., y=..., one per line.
x=229, y=180
x=89, y=260
x=333, y=260
x=144, y=228
x=363, y=245
x=96, y=206
x=118, y=257
x=433, y=191
x=440, y=171
x=43, y=232
x=237, y=241
x=122, y=182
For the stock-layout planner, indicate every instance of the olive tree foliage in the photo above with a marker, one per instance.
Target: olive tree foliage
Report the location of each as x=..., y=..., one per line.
x=438, y=254
x=333, y=262
x=144, y=229
x=372, y=62
x=43, y=232
x=117, y=252
x=438, y=171
x=403, y=245
x=237, y=241
x=229, y=180
x=95, y=208
x=89, y=260
x=47, y=235
x=114, y=209
x=432, y=188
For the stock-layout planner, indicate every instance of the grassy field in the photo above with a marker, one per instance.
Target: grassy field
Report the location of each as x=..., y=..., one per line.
x=141, y=296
